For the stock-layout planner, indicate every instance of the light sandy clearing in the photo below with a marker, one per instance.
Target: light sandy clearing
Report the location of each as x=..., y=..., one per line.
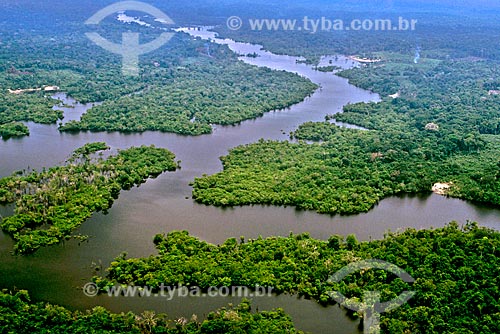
x=442, y=188
x=44, y=88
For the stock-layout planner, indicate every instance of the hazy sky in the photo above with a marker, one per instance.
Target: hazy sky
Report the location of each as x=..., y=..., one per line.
x=475, y=4
x=467, y=3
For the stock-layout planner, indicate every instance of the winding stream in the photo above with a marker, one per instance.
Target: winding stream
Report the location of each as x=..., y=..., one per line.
x=56, y=273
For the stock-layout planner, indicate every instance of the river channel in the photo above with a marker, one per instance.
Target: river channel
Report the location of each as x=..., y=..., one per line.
x=57, y=273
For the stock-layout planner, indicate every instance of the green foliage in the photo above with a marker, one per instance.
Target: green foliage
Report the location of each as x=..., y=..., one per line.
x=456, y=272
x=476, y=177
x=241, y=320
x=19, y=315
x=188, y=100
x=14, y=129
x=452, y=94
x=90, y=148
x=183, y=90
x=52, y=203
x=443, y=127
x=328, y=68
x=27, y=107
x=351, y=170
x=439, y=33
x=348, y=174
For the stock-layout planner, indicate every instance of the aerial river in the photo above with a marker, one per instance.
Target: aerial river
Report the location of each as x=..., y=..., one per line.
x=57, y=273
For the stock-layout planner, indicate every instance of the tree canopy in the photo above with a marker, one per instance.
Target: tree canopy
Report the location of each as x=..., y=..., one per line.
x=456, y=271
x=52, y=203
x=18, y=314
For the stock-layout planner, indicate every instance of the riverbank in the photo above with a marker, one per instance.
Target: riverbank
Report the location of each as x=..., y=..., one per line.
x=160, y=205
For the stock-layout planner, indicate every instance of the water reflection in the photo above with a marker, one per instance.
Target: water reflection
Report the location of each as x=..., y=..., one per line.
x=164, y=204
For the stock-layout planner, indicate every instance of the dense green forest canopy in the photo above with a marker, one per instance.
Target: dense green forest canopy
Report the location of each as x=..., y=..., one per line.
x=442, y=125
x=340, y=176
x=456, y=271
x=459, y=96
x=18, y=314
x=193, y=97
x=183, y=87
x=351, y=170
x=439, y=34
x=52, y=203
x=13, y=129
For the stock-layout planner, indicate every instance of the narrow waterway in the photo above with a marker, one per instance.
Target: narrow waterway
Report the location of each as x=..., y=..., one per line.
x=57, y=273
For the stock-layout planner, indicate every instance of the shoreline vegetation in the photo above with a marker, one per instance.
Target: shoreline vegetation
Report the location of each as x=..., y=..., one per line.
x=198, y=99
x=348, y=171
x=13, y=129
x=430, y=132
x=456, y=271
x=52, y=203
x=441, y=126
x=192, y=88
x=21, y=315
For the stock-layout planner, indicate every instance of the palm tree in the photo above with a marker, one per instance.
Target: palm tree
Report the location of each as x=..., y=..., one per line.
x=147, y=321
